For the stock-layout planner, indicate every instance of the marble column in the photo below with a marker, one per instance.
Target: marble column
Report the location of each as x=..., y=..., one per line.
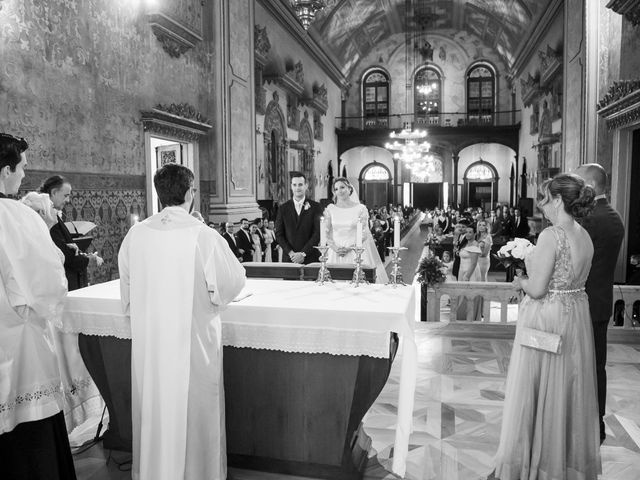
x=234, y=195
x=456, y=158
x=580, y=76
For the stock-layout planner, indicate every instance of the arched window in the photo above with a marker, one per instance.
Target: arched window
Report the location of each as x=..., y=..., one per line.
x=480, y=172
x=376, y=173
x=481, y=88
x=376, y=99
x=427, y=93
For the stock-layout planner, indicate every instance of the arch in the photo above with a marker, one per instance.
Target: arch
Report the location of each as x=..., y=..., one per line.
x=275, y=151
x=480, y=191
x=375, y=97
x=375, y=192
x=428, y=81
x=481, y=88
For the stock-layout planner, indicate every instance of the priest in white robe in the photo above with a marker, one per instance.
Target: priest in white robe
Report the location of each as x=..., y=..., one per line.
x=33, y=436
x=175, y=276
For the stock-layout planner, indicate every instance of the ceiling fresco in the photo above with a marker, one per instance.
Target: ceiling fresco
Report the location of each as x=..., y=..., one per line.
x=352, y=28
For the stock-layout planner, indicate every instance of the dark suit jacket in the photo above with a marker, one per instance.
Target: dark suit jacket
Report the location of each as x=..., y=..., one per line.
x=522, y=230
x=606, y=230
x=298, y=233
x=232, y=244
x=75, y=266
x=243, y=242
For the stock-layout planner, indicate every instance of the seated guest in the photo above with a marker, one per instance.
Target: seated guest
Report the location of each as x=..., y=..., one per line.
x=75, y=261
x=231, y=239
x=244, y=241
x=33, y=435
x=175, y=276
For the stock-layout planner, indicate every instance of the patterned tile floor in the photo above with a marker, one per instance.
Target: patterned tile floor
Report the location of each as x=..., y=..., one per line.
x=459, y=399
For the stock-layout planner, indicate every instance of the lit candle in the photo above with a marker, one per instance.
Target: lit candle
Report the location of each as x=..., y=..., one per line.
x=359, y=233
x=396, y=232
x=323, y=232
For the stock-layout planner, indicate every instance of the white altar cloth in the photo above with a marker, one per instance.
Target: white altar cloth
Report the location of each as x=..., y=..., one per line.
x=291, y=316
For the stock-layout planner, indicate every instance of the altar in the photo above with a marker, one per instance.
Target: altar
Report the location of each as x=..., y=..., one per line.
x=302, y=364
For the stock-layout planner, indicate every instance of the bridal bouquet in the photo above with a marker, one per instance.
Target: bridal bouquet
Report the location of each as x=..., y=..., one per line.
x=431, y=271
x=514, y=253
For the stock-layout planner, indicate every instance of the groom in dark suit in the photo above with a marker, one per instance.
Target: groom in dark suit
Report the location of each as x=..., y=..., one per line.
x=606, y=230
x=298, y=224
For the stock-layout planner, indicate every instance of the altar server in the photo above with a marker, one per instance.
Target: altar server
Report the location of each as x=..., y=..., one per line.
x=33, y=436
x=175, y=274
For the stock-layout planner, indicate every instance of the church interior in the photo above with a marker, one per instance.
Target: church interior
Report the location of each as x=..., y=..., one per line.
x=509, y=93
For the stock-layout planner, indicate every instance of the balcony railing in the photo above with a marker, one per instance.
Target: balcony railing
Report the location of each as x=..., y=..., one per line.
x=457, y=119
x=500, y=305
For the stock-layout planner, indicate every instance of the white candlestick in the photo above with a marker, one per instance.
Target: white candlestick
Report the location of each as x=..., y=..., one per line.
x=396, y=232
x=359, y=233
x=323, y=232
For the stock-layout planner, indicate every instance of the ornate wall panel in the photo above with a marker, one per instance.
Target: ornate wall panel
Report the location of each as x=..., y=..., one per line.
x=239, y=127
x=239, y=37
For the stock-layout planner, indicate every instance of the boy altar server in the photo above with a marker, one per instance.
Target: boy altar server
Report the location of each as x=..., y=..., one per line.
x=175, y=274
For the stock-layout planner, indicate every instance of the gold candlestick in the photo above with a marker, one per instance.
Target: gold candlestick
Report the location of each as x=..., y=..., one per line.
x=358, y=273
x=395, y=278
x=323, y=274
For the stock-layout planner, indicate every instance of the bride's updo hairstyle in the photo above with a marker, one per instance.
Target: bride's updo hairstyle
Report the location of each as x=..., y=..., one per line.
x=577, y=196
x=340, y=180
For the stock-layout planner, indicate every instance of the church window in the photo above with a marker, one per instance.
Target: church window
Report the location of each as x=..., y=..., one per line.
x=428, y=96
x=480, y=172
x=376, y=99
x=481, y=87
x=376, y=173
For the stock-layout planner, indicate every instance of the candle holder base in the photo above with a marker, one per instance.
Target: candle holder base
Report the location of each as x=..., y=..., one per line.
x=395, y=278
x=358, y=273
x=324, y=275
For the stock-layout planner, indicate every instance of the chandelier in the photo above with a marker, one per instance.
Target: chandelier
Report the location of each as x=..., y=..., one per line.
x=410, y=148
x=426, y=89
x=306, y=10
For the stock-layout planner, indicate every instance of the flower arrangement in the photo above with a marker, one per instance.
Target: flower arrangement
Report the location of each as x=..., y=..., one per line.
x=431, y=271
x=514, y=253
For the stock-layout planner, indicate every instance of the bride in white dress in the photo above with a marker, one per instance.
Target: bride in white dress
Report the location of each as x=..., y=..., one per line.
x=341, y=220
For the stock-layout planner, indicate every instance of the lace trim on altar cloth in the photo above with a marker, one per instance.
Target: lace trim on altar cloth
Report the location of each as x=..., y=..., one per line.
x=307, y=340
x=40, y=393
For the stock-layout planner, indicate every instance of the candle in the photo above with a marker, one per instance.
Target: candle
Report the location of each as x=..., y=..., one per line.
x=359, y=233
x=323, y=232
x=396, y=232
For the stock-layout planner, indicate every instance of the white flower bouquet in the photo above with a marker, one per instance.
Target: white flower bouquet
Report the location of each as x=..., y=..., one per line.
x=514, y=253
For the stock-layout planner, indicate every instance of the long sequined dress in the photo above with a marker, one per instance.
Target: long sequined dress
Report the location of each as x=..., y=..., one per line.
x=550, y=425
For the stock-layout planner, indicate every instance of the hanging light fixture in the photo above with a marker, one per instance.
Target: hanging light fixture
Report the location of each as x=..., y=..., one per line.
x=306, y=10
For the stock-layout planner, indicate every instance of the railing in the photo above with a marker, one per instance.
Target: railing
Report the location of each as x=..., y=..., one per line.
x=456, y=119
x=503, y=294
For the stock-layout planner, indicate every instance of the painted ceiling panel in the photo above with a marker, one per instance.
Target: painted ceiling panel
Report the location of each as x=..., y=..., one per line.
x=352, y=28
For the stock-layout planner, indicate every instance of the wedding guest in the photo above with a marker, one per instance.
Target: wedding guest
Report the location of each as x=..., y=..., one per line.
x=485, y=242
x=75, y=261
x=521, y=227
x=231, y=239
x=174, y=267
x=448, y=262
x=298, y=224
x=270, y=253
x=33, y=436
x=260, y=232
x=507, y=223
x=469, y=252
x=256, y=241
x=606, y=230
x=550, y=420
x=496, y=224
x=244, y=241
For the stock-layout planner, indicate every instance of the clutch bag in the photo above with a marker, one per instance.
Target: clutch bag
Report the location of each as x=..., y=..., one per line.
x=540, y=340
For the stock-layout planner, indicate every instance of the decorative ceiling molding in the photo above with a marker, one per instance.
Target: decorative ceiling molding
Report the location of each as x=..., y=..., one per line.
x=261, y=45
x=176, y=120
x=629, y=8
x=621, y=105
x=176, y=38
x=530, y=42
x=284, y=14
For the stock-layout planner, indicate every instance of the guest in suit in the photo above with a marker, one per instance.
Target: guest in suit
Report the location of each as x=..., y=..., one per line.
x=298, y=224
x=260, y=232
x=520, y=225
x=231, y=239
x=244, y=242
x=606, y=230
x=75, y=261
x=507, y=223
x=459, y=241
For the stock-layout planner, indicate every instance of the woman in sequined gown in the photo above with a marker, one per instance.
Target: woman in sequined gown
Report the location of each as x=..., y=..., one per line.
x=550, y=425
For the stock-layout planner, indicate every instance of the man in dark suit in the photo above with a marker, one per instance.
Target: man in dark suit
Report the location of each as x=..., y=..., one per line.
x=259, y=231
x=606, y=230
x=243, y=241
x=520, y=225
x=231, y=239
x=298, y=224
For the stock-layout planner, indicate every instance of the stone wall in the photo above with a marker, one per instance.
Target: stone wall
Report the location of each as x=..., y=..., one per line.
x=75, y=76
